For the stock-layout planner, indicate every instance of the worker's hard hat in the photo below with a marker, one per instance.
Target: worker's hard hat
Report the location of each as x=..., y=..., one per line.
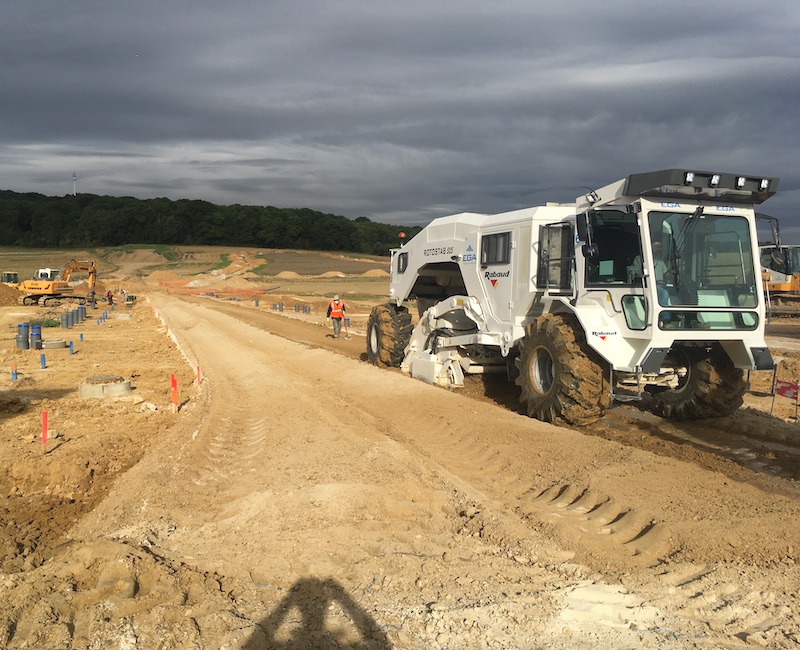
x=336, y=297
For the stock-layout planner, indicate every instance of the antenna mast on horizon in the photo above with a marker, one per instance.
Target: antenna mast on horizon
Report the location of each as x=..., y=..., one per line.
x=74, y=181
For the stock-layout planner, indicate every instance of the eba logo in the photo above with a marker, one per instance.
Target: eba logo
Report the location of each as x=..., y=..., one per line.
x=469, y=257
x=670, y=204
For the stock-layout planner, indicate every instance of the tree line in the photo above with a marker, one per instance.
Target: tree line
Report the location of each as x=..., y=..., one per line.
x=88, y=220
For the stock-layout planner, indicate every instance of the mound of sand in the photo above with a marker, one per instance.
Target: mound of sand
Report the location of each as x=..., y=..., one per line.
x=332, y=274
x=291, y=275
x=236, y=282
x=137, y=256
x=207, y=278
x=375, y=273
x=163, y=276
x=134, y=285
x=9, y=296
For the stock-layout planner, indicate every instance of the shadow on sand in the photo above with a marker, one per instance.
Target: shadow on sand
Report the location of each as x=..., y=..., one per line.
x=318, y=614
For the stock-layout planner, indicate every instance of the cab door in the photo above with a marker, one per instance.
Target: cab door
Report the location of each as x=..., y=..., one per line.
x=555, y=274
x=496, y=273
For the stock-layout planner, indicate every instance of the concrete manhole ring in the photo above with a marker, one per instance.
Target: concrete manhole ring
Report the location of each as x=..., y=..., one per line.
x=104, y=386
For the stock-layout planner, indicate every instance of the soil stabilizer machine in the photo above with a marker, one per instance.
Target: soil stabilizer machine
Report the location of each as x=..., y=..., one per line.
x=649, y=285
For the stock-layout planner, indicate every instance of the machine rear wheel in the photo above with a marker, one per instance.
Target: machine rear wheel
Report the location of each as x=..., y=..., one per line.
x=388, y=333
x=712, y=387
x=559, y=378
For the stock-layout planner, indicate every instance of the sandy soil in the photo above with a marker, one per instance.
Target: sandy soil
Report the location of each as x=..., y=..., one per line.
x=300, y=498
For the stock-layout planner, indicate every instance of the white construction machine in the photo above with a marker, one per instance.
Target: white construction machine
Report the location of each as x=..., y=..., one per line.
x=649, y=284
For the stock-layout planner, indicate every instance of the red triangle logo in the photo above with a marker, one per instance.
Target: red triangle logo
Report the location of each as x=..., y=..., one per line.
x=602, y=338
x=494, y=282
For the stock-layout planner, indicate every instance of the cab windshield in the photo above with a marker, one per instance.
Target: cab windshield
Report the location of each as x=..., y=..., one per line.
x=706, y=260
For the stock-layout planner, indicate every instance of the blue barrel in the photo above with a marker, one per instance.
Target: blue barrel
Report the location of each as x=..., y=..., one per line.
x=22, y=342
x=23, y=329
x=65, y=321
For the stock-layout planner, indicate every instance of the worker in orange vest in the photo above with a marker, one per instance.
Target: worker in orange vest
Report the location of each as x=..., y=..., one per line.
x=336, y=311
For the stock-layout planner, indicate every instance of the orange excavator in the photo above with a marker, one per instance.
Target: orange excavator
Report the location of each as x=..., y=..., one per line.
x=780, y=272
x=50, y=288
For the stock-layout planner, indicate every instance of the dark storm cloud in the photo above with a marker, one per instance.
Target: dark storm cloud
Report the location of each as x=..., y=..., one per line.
x=396, y=111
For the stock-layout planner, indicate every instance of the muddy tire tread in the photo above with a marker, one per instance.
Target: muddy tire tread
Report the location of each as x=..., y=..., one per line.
x=714, y=388
x=580, y=393
x=391, y=327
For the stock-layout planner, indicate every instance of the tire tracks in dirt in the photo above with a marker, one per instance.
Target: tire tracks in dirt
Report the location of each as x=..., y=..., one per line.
x=505, y=498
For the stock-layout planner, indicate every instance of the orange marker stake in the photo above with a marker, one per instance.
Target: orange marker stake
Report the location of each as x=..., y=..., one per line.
x=44, y=429
x=174, y=383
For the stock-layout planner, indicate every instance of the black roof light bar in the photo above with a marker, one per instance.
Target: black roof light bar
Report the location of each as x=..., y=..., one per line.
x=688, y=184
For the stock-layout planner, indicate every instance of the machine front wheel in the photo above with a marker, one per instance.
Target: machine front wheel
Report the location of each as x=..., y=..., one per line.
x=712, y=386
x=388, y=333
x=560, y=379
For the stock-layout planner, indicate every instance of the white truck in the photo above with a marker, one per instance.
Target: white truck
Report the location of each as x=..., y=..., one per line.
x=649, y=284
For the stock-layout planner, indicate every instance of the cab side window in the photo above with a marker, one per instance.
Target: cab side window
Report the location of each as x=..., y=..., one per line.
x=496, y=249
x=402, y=262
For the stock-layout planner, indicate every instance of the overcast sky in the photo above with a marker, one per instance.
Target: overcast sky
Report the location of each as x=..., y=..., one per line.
x=397, y=111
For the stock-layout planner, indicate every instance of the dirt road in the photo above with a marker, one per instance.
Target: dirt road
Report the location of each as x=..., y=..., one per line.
x=302, y=498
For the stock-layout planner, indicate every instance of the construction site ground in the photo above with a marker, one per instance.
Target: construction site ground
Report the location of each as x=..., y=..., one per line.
x=288, y=494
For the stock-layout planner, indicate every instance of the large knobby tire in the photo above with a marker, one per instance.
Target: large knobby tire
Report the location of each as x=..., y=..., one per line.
x=712, y=387
x=388, y=333
x=560, y=377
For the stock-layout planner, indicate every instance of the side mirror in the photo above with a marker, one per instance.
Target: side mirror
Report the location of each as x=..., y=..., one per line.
x=776, y=233
x=590, y=250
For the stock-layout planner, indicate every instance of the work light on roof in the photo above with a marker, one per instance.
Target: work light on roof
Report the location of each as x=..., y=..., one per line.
x=714, y=180
x=688, y=178
x=740, y=181
x=764, y=184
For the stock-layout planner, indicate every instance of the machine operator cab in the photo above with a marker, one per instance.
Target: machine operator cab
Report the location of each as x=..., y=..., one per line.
x=677, y=248
x=47, y=274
